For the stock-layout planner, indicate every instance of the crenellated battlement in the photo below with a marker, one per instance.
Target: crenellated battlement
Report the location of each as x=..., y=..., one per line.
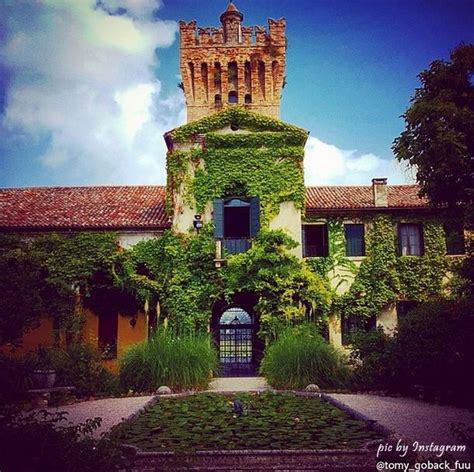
x=232, y=64
x=192, y=35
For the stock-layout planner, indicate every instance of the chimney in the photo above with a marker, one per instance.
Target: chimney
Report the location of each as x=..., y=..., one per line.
x=379, y=187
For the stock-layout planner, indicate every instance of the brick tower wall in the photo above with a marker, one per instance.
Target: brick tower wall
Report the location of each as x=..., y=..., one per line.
x=232, y=64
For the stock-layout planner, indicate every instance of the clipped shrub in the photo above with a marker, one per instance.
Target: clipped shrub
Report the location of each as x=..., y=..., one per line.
x=182, y=362
x=301, y=356
x=80, y=366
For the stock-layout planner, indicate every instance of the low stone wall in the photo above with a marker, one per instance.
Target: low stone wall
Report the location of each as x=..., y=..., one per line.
x=356, y=460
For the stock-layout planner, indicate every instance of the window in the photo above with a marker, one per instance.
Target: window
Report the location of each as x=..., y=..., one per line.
x=352, y=324
x=454, y=234
x=404, y=307
x=236, y=221
x=315, y=240
x=233, y=97
x=354, y=234
x=410, y=239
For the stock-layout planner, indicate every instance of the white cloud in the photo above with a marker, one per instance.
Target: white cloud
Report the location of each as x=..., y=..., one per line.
x=134, y=8
x=326, y=164
x=84, y=77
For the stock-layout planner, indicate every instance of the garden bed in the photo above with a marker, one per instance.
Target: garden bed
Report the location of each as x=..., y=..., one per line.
x=271, y=421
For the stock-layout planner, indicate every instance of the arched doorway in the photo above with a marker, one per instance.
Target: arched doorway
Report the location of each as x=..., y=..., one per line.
x=235, y=336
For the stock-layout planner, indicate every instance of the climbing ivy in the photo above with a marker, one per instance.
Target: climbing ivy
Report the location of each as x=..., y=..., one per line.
x=383, y=277
x=265, y=160
x=421, y=278
x=175, y=273
x=237, y=116
x=376, y=283
x=178, y=272
x=336, y=267
x=51, y=274
x=288, y=292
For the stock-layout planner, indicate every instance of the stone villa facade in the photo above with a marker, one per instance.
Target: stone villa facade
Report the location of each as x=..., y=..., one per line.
x=232, y=78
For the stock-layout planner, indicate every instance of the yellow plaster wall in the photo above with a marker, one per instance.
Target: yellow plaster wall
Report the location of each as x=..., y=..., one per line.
x=128, y=335
x=42, y=335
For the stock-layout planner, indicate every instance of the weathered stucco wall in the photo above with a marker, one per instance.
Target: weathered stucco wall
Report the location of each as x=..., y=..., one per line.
x=289, y=220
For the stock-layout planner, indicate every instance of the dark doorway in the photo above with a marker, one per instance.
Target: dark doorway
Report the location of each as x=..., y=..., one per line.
x=235, y=330
x=235, y=338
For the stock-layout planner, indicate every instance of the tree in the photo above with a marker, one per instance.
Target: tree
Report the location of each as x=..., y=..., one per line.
x=438, y=139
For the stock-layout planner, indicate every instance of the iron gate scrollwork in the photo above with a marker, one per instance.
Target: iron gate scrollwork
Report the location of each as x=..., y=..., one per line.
x=236, y=336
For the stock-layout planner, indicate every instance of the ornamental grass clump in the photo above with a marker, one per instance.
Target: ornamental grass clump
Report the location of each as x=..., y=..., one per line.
x=180, y=362
x=300, y=356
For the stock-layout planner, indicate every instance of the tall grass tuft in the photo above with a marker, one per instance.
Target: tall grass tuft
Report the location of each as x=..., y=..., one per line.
x=182, y=362
x=300, y=356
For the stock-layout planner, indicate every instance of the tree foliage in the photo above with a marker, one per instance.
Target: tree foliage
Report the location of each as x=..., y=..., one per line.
x=43, y=275
x=438, y=139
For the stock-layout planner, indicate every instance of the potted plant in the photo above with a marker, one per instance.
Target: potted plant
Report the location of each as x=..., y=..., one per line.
x=44, y=375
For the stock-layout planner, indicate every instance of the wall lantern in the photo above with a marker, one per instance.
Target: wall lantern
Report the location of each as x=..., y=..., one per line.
x=197, y=222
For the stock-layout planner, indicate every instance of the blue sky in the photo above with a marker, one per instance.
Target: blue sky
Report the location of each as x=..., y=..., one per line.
x=87, y=91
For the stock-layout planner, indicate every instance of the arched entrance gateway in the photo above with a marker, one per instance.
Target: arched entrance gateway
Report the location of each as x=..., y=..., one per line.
x=235, y=333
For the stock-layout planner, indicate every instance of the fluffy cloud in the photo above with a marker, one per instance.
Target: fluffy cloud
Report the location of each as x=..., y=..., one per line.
x=326, y=164
x=82, y=77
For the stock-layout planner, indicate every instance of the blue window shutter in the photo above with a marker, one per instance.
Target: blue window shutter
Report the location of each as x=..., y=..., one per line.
x=218, y=218
x=254, y=216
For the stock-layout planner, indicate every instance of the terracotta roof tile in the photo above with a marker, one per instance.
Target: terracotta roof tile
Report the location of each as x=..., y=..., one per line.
x=99, y=207
x=361, y=197
x=143, y=206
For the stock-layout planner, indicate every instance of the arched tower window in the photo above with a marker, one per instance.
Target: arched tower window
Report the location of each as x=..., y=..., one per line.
x=232, y=75
x=204, y=80
x=217, y=78
x=233, y=97
x=275, y=72
x=261, y=78
x=191, y=77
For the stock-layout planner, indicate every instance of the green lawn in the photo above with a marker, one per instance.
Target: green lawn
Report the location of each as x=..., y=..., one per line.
x=270, y=421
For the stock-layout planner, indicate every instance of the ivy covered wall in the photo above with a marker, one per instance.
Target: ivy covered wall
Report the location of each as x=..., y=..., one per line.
x=235, y=153
x=382, y=277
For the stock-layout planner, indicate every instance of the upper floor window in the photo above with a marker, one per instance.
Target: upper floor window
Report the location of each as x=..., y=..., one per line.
x=454, y=234
x=236, y=221
x=354, y=234
x=410, y=239
x=315, y=240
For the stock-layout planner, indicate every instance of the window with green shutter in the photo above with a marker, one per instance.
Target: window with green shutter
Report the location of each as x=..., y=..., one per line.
x=236, y=222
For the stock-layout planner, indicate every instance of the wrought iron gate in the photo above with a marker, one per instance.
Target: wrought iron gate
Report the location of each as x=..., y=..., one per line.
x=236, y=338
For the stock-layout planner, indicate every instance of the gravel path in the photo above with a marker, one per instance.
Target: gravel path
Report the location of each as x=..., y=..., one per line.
x=409, y=418
x=111, y=410
x=238, y=384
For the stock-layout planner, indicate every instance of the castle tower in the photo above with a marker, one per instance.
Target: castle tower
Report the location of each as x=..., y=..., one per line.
x=232, y=64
